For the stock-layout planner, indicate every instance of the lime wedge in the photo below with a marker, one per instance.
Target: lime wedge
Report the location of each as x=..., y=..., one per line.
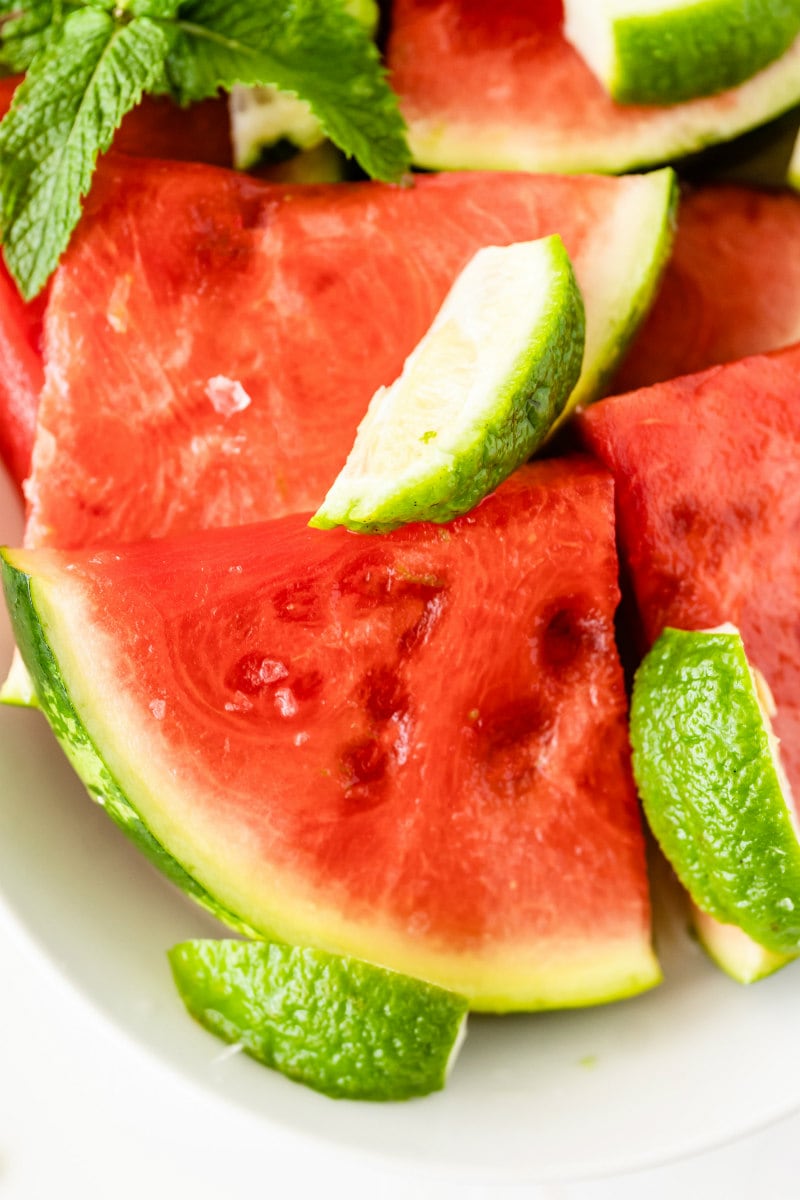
x=713, y=789
x=476, y=397
x=670, y=51
x=794, y=166
x=341, y=1026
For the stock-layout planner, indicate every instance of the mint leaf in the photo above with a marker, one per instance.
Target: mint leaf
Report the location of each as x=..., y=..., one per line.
x=26, y=29
x=313, y=48
x=65, y=113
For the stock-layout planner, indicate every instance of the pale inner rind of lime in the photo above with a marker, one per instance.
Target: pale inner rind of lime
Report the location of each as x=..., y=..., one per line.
x=476, y=397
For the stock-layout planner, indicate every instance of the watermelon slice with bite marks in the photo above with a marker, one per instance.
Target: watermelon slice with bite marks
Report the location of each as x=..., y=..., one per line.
x=213, y=342
x=730, y=290
x=411, y=748
x=497, y=86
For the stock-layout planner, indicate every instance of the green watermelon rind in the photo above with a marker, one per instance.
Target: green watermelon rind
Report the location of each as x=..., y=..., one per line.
x=685, y=51
x=673, y=132
x=710, y=787
x=600, y=974
x=57, y=706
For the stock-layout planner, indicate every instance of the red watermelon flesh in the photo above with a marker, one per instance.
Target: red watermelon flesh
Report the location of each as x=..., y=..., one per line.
x=158, y=128
x=21, y=374
x=731, y=288
x=707, y=471
x=213, y=341
x=411, y=748
x=496, y=85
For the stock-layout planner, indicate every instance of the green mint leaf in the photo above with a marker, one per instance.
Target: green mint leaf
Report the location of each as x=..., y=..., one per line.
x=26, y=29
x=65, y=113
x=313, y=48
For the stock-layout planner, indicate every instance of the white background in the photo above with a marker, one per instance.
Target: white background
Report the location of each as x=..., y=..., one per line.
x=86, y=1113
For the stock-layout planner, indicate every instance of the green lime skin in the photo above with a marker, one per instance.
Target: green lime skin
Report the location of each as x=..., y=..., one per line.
x=338, y=1025
x=794, y=166
x=699, y=50
x=710, y=788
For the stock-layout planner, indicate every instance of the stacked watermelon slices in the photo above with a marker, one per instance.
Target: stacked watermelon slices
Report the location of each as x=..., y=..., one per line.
x=412, y=748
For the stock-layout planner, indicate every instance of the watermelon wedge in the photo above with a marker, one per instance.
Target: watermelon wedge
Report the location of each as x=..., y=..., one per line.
x=273, y=713
x=212, y=342
x=497, y=86
x=707, y=472
x=730, y=290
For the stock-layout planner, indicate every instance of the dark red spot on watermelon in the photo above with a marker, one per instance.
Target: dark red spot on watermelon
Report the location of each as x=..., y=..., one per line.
x=308, y=685
x=518, y=721
x=417, y=633
x=255, y=673
x=364, y=766
x=571, y=631
x=368, y=579
x=299, y=602
x=383, y=693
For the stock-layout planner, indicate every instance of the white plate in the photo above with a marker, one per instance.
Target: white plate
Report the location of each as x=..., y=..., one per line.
x=554, y=1096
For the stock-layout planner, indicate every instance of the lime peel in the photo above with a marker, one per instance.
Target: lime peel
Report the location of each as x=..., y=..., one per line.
x=794, y=166
x=341, y=1026
x=665, y=52
x=710, y=779
x=477, y=396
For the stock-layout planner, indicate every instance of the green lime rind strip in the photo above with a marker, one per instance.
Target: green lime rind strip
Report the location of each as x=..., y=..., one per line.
x=477, y=397
x=54, y=700
x=734, y=952
x=675, y=52
x=794, y=166
x=338, y=1025
x=710, y=786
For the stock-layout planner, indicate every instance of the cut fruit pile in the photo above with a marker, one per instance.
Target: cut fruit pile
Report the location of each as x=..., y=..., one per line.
x=388, y=744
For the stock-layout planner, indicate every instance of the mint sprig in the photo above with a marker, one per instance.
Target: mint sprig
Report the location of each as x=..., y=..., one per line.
x=308, y=47
x=90, y=61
